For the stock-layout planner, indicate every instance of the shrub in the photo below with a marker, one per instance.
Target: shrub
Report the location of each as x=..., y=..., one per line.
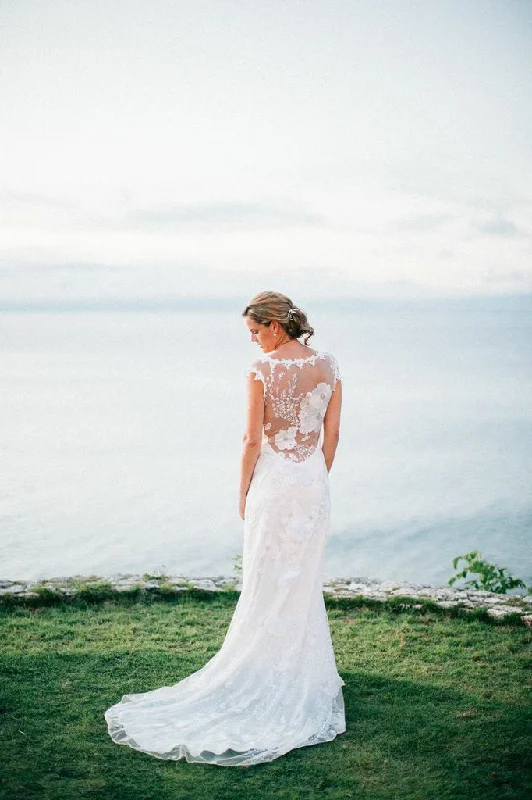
x=490, y=577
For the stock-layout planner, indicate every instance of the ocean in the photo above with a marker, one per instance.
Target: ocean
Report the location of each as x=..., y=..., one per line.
x=121, y=435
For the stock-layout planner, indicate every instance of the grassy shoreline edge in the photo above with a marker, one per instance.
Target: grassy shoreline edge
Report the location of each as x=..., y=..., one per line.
x=98, y=591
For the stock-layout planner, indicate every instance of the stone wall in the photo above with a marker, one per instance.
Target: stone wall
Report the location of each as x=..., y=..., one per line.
x=497, y=605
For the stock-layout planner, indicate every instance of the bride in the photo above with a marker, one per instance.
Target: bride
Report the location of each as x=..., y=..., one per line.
x=273, y=686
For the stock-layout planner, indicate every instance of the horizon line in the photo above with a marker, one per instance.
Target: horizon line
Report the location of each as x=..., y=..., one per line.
x=200, y=303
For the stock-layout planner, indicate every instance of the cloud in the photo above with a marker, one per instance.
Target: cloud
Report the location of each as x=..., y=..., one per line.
x=29, y=208
x=422, y=223
x=356, y=242
x=517, y=278
x=18, y=268
x=498, y=226
x=219, y=215
x=177, y=284
x=28, y=200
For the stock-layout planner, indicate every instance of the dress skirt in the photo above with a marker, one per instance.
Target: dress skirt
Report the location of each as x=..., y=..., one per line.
x=273, y=686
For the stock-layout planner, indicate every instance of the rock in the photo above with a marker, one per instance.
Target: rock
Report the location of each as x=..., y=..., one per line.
x=494, y=599
x=206, y=584
x=425, y=592
x=359, y=588
x=124, y=587
x=502, y=611
x=14, y=588
x=388, y=586
x=131, y=581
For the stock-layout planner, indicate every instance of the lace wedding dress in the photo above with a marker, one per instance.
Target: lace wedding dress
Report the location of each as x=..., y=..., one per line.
x=273, y=686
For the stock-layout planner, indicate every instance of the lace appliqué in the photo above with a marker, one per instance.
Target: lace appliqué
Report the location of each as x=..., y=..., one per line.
x=313, y=407
x=296, y=395
x=285, y=439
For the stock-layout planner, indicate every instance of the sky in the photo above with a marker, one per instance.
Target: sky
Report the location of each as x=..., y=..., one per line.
x=160, y=150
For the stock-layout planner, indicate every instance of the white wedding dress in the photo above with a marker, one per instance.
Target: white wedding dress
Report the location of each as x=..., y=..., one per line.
x=273, y=686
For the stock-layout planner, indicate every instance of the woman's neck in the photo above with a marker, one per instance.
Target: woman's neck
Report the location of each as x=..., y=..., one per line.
x=291, y=348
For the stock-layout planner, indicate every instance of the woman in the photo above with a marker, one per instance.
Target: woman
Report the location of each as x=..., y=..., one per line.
x=273, y=686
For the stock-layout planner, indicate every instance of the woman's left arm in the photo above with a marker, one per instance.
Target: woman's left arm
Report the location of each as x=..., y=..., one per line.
x=252, y=438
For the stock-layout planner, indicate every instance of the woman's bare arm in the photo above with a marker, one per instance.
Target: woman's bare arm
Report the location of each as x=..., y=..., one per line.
x=331, y=426
x=252, y=438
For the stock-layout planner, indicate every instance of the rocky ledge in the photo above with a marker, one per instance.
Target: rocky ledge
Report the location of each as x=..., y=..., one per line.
x=497, y=605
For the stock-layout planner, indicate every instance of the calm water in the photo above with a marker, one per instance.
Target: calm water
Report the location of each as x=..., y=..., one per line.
x=121, y=434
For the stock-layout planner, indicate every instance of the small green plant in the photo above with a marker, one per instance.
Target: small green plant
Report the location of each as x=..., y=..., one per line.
x=158, y=574
x=490, y=577
x=237, y=563
x=80, y=582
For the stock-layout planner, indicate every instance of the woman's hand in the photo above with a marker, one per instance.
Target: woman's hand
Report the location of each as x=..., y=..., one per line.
x=242, y=506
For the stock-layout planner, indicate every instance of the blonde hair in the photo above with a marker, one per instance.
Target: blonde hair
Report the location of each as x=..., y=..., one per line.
x=269, y=306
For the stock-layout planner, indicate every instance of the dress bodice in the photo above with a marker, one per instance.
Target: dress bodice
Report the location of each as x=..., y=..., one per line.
x=296, y=395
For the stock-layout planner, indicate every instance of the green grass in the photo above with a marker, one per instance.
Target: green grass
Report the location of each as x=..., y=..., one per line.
x=436, y=704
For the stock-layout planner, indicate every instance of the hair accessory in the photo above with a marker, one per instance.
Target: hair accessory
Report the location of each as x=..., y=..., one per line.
x=292, y=310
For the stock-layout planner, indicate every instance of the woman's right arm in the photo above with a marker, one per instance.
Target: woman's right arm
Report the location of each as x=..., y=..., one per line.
x=331, y=425
x=252, y=438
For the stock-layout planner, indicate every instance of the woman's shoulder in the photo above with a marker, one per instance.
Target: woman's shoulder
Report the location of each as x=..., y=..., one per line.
x=257, y=369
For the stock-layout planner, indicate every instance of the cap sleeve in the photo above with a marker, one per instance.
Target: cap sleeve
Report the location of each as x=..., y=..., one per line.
x=256, y=371
x=334, y=375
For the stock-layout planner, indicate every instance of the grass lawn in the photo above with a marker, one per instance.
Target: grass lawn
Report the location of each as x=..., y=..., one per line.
x=436, y=705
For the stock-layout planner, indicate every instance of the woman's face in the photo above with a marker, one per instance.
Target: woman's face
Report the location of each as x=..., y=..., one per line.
x=263, y=335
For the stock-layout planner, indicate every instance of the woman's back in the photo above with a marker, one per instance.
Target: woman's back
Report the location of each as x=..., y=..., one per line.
x=296, y=395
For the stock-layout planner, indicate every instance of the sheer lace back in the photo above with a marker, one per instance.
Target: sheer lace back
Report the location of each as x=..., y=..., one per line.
x=297, y=392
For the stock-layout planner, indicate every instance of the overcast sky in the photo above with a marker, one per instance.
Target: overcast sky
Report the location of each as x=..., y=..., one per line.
x=156, y=149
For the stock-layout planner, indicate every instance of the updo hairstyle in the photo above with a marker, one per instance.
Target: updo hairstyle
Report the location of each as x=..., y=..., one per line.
x=269, y=306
